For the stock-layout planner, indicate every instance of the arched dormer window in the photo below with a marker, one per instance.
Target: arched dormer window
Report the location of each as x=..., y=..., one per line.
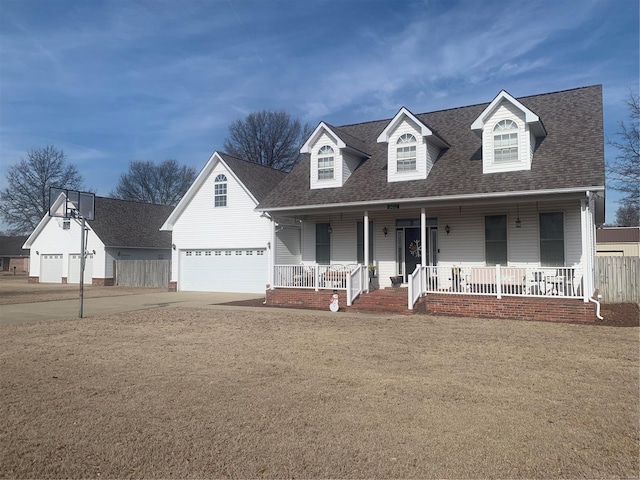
x=220, y=191
x=406, y=153
x=325, y=163
x=505, y=141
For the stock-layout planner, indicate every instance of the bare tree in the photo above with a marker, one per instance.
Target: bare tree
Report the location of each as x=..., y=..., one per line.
x=163, y=184
x=25, y=200
x=269, y=138
x=624, y=171
x=627, y=215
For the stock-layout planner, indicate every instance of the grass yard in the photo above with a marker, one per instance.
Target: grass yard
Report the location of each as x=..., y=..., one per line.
x=176, y=393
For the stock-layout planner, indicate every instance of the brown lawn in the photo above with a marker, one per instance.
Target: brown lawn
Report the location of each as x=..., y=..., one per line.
x=175, y=393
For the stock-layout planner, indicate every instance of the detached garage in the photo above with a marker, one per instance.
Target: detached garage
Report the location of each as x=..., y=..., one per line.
x=121, y=230
x=243, y=271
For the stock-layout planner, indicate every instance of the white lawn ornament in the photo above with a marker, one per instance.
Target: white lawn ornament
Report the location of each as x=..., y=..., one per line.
x=333, y=305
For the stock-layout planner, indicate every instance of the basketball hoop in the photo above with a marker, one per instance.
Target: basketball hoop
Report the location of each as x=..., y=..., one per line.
x=65, y=203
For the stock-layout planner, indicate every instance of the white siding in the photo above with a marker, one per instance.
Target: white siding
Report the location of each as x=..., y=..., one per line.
x=421, y=172
x=337, y=181
x=54, y=239
x=288, y=246
x=506, y=111
x=203, y=226
x=351, y=162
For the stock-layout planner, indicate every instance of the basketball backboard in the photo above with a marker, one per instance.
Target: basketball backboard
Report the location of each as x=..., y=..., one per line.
x=64, y=203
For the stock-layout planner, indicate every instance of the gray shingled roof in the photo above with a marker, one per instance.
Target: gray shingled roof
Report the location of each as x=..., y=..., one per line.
x=259, y=179
x=122, y=223
x=11, y=246
x=570, y=156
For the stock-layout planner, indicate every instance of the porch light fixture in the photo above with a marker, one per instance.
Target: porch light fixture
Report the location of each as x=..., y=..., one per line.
x=330, y=230
x=173, y=245
x=385, y=230
x=447, y=229
x=518, y=221
x=37, y=252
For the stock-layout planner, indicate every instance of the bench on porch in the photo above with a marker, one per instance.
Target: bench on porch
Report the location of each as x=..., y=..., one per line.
x=483, y=280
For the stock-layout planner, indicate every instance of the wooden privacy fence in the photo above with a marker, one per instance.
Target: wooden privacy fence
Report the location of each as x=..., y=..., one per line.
x=618, y=279
x=142, y=273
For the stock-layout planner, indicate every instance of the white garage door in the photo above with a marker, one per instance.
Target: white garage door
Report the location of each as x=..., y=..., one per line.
x=243, y=271
x=51, y=268
x=74, y=269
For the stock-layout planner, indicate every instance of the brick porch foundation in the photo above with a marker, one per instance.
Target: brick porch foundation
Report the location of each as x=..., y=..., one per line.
x=173, y=286
x=546, y=309
x=34, y=280
x=103, y=282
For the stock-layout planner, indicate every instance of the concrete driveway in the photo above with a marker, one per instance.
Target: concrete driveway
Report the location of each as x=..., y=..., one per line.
x=40, y=311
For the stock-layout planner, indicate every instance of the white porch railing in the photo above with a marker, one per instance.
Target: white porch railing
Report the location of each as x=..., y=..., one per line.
x=416, y=286
x=317, y=277
x=498, y=281
x=356, y=279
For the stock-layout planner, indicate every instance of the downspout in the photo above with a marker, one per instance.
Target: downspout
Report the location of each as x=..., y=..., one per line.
x=589, y=251
x=598, y=316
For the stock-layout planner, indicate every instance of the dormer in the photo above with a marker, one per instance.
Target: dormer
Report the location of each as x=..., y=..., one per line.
x=509, y=133
x=334, y=156
x=412, y=147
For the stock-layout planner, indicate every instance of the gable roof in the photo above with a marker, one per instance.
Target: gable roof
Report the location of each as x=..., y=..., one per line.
x=11, y=246
x=529, y=117
x=425, y=130
x=124, y=224
x=343, y=139
x=569, y=158
x=258, y=180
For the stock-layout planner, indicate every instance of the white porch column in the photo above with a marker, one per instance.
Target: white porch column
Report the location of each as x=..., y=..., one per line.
x=366, y=249
x=587, y=248
x=272, y=254
x=423, y=248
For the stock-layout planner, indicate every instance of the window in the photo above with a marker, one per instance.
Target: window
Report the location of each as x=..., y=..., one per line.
x=227, y=253
x=495, y=239
x=552, y=239
x=325, y=163
x=360, y=242
x=505, y=141
x=323, y=244
x=218, y=253
x=220, y=191
x=260, y=252
x=406, y=154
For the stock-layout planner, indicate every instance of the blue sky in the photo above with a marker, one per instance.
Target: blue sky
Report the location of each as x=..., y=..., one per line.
x=114, y=81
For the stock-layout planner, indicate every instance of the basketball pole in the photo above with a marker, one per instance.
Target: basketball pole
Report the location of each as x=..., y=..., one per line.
x=82, y=248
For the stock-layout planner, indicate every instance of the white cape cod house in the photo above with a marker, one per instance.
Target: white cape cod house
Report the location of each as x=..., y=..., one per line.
x=122, y=230
x=484, y=210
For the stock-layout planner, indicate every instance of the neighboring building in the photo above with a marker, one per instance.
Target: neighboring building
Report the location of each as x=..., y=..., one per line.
x=487, y=209
x=220, y=243
x=121, y=230
x=618, y=242
x=12, y=257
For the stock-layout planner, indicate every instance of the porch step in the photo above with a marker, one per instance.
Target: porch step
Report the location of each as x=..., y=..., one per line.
x=392, y=300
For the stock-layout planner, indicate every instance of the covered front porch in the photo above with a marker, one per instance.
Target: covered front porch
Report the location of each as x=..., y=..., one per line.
x=534, y=249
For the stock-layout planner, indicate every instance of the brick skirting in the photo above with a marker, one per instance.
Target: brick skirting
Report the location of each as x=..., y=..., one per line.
x=307, y=299
x=103, y=282
x=34, y=280
x=546, y=309
x=173, y=286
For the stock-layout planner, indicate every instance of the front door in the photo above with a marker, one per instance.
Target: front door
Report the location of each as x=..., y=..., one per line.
x=409, y=248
